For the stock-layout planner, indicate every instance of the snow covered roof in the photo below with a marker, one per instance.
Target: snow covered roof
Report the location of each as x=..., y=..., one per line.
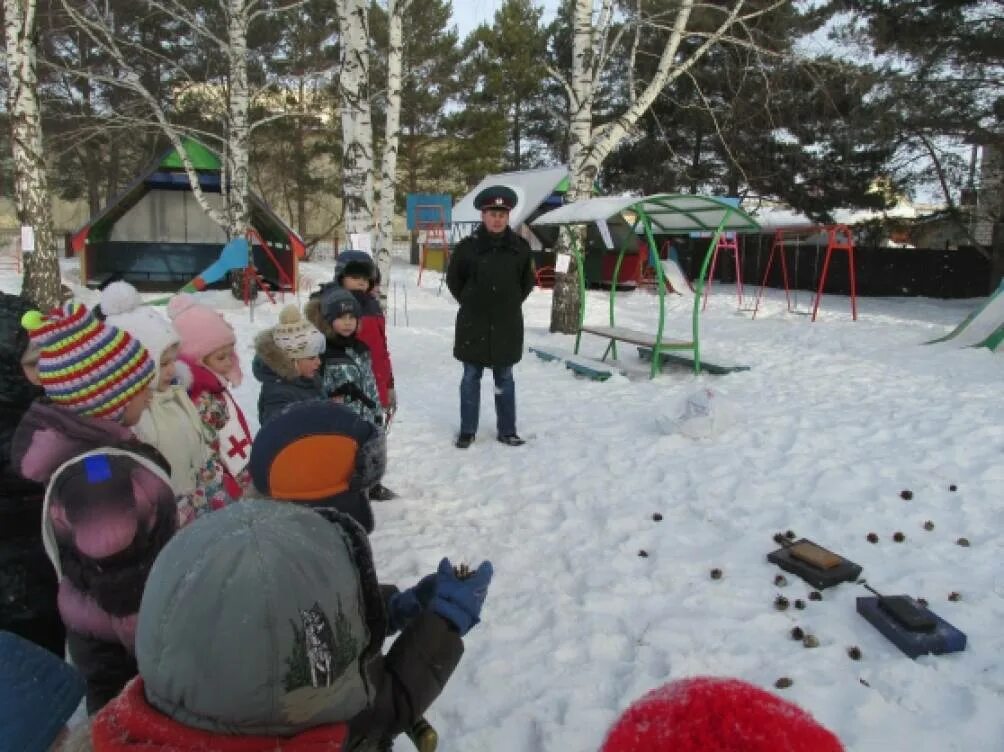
x=669, y=213
x=532, y=187
x=773, y=218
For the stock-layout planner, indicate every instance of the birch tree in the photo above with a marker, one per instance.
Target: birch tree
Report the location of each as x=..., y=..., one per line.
x=357, y=121
x=392, y=136
x=215, y=30
x=595, y=37
x=31, y=188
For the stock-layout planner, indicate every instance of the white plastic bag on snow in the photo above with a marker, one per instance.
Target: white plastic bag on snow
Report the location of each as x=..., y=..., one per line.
x=705, y=414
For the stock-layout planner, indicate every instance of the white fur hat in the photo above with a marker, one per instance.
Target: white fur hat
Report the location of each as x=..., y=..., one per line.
x=124, y=309
x=296, y=336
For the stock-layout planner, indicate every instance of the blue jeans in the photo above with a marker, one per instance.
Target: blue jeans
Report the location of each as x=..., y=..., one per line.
x=505, y=399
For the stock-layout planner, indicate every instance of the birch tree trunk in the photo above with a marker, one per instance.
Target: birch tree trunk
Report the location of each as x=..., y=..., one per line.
x=589, y=146
x=392, y=137
x=31, y=188
x=357, y=124
x=565, y=303
x=238, y=211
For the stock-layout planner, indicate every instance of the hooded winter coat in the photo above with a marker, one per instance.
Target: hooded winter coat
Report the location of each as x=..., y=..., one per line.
x=347, y=368
x=490, y=276
x=281, y=384
x=373, y=333
x=27, y=579
x=231, y=437
x=174, y=428
x=313, y=676
x=107, y=514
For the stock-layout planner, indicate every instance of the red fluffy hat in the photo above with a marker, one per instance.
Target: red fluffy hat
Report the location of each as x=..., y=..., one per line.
x=707, y=714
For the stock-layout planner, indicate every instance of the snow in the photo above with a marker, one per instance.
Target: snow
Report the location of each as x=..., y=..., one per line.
x=832, y=422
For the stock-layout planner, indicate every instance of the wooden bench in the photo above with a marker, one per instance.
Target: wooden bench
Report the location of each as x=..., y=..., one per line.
x=635, y=337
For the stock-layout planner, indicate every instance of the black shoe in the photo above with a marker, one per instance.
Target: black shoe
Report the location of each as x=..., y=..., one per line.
x=464, y=440
x=512, y=440
x=380, y=492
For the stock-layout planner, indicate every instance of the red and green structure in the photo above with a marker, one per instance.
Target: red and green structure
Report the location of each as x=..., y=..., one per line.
x=155, y=235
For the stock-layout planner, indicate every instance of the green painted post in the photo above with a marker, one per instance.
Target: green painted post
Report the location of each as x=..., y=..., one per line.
x=699, y=289
x=617, y=276
x=656, y=365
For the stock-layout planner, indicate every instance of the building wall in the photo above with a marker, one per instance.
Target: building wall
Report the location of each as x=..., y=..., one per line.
x=170, y=217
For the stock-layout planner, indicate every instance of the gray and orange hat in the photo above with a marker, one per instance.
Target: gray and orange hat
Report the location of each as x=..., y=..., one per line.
x=261, y=619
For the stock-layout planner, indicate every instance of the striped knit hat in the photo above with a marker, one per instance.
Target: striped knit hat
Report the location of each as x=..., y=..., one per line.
x=87, y=366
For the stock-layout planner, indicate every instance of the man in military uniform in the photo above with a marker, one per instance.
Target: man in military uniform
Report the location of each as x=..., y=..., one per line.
x=490, y=275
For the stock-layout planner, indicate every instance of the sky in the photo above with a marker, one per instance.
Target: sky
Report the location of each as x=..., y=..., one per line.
x=467, y=14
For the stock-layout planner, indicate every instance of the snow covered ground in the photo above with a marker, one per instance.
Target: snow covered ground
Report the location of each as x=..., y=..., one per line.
x=832, y=422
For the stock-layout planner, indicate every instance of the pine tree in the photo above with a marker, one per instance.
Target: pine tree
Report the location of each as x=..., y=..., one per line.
x=297, y=663
x=504, y=72
x=346, y=646
x=943, y=72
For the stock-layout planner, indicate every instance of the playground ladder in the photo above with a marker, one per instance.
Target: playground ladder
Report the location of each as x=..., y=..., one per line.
x=728, y=244
x=285, y=283
x=431, y=220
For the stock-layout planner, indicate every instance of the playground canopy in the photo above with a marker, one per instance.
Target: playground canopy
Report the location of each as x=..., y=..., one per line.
x=155, y=233
x=661, y=213
x=668, y=214
x=533, y=188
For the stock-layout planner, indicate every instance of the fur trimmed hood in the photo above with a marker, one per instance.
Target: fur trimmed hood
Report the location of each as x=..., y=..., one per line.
x=312, y=312
x=269, y=355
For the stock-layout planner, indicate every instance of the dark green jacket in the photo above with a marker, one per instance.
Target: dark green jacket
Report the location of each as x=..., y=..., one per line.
x=490, y=276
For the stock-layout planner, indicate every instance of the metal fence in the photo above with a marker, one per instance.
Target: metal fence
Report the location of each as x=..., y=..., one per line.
x=881, y=272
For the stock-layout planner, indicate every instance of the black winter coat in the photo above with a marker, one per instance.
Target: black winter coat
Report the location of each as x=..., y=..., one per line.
x=281, y=385
x=27, y=578
x=490, y=276
x=412, y=674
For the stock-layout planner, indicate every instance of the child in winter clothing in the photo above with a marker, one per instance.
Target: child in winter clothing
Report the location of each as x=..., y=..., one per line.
x=207, y=349
x=27, y=579
x=108, y=513
x=707, y=713
x=100, y=535
x=287, y=359
x=346, y=455
x=348, y=366
x=171, y=424
x=356, y=272
x=312, y=674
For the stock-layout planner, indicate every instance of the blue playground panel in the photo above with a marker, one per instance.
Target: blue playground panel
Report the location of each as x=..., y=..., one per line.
x=576, y=366
x=944, y=638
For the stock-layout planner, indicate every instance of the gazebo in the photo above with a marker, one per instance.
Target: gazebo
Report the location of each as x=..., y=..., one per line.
x=665, y=214
x=155, y=234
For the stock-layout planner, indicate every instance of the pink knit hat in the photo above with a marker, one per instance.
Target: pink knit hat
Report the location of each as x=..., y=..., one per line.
x=203, y=330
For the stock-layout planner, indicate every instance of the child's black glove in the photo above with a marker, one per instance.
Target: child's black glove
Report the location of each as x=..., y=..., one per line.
x=459, y=599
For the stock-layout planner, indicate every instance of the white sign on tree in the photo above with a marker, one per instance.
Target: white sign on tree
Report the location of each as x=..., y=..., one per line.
x=27, y=239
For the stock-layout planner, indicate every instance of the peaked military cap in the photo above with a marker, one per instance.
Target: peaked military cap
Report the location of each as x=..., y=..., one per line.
x=495, y=197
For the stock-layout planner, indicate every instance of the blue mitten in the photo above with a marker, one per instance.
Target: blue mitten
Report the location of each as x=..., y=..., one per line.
x=404, y=606
x=457, y=600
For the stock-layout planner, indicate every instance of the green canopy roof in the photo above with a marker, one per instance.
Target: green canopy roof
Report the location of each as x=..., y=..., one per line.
x=202, y=157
